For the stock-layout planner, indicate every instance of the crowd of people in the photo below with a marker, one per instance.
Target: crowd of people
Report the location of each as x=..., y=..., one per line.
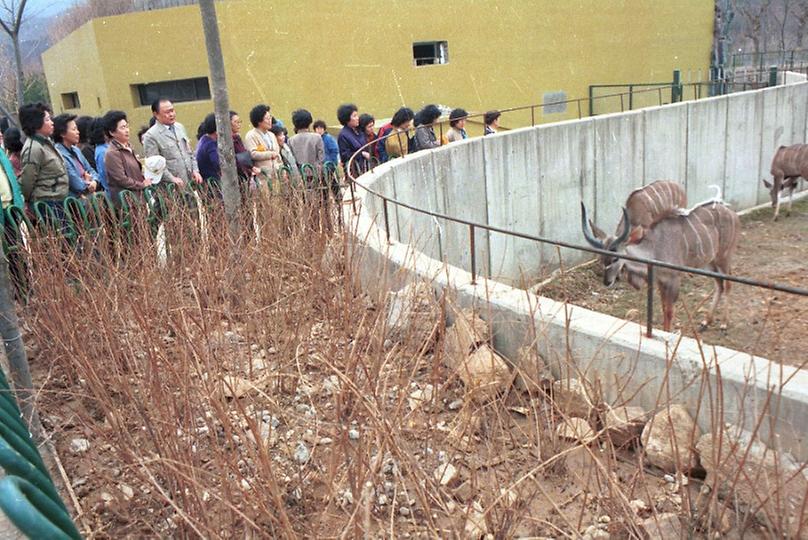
x=52, y=157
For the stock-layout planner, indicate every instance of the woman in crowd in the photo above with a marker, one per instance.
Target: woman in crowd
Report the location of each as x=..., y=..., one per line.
x=457, y=125
x=83, y=178
x=350, y=139
x=330, y=146
x=13, y=143
x=491, y=120
x=287, y=156
x=261, y=143
x=43, y=176
x=86, y=125
x=100, y=143
x=366, y=126
x=424, y=131
x=122, y=166
x=207, y=152
x=398, y=143
x=244, y=162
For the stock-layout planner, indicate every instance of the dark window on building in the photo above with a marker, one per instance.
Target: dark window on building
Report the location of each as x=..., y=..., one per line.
x=430, y=52
x=177, y=91
x=70, y=100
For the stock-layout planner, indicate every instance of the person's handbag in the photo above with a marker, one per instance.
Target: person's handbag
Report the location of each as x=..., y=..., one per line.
x=244, y=159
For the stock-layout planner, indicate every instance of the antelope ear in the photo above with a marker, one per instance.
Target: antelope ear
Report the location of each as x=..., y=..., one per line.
x=599, y=234
x=637, y=234
x=767, y=183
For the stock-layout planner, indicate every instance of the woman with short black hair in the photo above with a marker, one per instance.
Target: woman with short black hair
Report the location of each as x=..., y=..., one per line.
x=13, y=142
x=491, y=120
x=43, y=176
x=122, y=166
x=424, y=132
x=350, y=139
x=82, y=176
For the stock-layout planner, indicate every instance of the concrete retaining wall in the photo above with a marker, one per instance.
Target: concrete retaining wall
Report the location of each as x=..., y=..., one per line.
x=532, y=180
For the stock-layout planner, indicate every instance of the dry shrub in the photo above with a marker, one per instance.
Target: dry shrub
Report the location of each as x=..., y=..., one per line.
x=245, y=390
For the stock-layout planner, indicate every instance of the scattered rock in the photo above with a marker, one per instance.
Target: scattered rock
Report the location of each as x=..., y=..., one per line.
x=381, y=500
x=331, y=385
x=595, y=532
x=237, y=387
x=484, y=373
x=572, y=398
x=575, y=429
x=421, y=397
x=79, y=446
x=771, y=482
x=638, y=506
x=663, y=527
x=623, y=425
x=353, y=434
x=302, y=453
x=532, y=373
x=476, y=526
x=669, y=440
x=325, y=440
x=404, y=511
x=467, y=333
x=107, y=497
x=455, y=405
x=127, y=491
x=446, y=475
x=464, y=492
x=413, y=315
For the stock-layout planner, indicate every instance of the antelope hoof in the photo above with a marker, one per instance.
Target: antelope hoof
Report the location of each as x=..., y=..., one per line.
x=703, y=326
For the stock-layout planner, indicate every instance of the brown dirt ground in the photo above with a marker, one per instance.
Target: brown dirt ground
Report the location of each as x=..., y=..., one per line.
x=763, y=322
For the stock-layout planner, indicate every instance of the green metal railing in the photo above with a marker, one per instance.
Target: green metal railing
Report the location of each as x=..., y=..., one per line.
x=28, y=496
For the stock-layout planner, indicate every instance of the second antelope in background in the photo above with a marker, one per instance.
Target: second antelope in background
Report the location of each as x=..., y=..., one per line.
x=788, y=165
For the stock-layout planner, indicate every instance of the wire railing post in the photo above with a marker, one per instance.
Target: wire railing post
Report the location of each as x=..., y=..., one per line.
x=353, y=195
x=649, y=306
x=473, y=257
x=532, y=115
x=386, y=220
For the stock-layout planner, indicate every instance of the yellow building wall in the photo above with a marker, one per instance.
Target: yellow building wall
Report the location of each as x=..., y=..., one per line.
x=317, y=54
x=75, y=66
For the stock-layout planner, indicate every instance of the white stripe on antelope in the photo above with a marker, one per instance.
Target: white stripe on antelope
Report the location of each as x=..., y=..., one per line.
x=704, y=237
x=788, y=165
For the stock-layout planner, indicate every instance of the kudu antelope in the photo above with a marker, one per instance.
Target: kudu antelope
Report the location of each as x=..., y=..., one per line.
x=704, y=237
x=644, y=207
x=788, y=165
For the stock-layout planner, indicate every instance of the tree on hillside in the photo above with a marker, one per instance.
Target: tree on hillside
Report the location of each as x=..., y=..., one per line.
x=85, y=11
x=11, y=20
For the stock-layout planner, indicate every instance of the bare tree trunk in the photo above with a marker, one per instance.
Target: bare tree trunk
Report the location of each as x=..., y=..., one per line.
x=15, y=39
x=227, y=158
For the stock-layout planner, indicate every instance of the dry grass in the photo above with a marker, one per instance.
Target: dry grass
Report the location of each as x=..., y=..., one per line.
x=322, y=442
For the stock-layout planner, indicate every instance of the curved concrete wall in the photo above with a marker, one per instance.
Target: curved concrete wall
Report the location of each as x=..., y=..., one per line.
x=531, y=180
x=568, y=162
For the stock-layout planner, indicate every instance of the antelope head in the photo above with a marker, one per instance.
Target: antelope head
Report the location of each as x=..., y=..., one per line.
x=612, y=266
x=774, y=190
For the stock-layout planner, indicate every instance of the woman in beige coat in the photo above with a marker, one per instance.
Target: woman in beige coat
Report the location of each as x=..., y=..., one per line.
x=261, y=142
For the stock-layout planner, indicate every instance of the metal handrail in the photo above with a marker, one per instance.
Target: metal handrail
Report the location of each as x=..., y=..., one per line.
x=651, y=264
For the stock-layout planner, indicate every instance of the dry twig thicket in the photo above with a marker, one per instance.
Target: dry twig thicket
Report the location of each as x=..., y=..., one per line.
x=258, y=392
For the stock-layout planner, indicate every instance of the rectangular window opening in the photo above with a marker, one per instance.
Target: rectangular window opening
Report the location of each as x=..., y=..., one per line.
x=70, y=100
x=428, y=53
x=197, y=89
